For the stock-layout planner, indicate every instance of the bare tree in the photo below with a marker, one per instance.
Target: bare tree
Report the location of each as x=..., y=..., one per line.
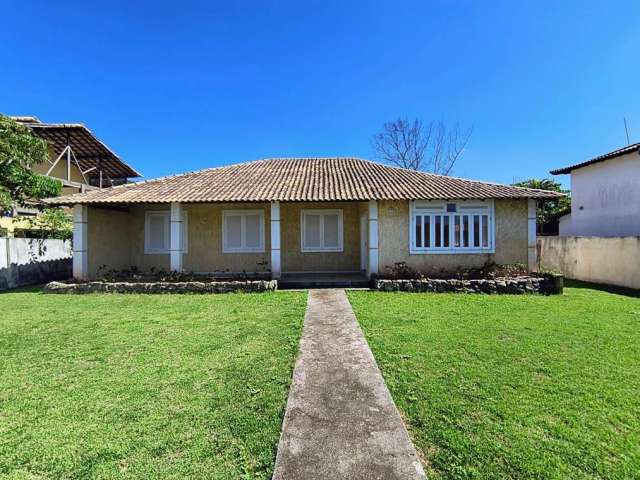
x=433, y=147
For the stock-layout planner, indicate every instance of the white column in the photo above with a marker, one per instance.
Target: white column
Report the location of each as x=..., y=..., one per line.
x=276, y=269
x=373, y=238
x=175, y=244
x=532, y=251
x=80, y=243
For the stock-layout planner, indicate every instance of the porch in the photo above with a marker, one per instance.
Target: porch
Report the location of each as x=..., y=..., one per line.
x=298, y=243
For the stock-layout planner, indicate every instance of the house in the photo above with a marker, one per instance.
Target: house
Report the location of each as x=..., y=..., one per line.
x=605, y=195
x=311, y=215
x=77, y=158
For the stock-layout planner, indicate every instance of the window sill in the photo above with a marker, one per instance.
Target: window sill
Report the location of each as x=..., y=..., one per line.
x=243, y=251
x=322, y=250
x=162, y=252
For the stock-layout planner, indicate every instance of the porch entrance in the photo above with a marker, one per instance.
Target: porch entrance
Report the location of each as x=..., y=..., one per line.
x=324, y=280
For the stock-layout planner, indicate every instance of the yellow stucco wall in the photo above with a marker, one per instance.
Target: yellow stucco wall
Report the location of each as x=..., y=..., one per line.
x=60, y=170
x=117, y=239
x=511, y=239
x=108, y=240
x=292, y=257
x=204, y=240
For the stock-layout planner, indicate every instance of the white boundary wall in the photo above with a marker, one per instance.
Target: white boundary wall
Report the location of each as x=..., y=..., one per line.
x=607, y=260
x=26, y=261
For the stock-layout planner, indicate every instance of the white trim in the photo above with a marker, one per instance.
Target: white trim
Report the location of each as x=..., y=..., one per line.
x=372, y=267
x=322, y=248
x=176, y=237
x=80, y=239
x=243, y=231
x=465, y=207
x=276, y=268
x=532, y=250
x=164, y=251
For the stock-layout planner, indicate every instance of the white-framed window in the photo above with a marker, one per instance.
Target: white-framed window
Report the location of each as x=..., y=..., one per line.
x=452, y=227
x=321, y=230
x=157, y=232
x=243, y=231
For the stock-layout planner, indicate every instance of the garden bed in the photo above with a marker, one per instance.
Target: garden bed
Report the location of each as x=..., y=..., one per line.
x=213, y=286
x=547, y=285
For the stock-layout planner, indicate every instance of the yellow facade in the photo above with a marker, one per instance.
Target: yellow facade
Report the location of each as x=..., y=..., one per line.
x=116, y=239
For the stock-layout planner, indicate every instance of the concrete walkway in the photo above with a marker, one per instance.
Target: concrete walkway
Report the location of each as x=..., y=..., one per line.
x=341, y=422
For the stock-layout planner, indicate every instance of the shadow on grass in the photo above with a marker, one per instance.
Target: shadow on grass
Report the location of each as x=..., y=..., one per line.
x=27, y=289
x=628, y=292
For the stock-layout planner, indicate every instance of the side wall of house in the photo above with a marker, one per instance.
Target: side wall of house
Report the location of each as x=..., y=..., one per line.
x=605, y=198
x=294, y=260
x=108, y=240
x=204, y=249
x=510, y=243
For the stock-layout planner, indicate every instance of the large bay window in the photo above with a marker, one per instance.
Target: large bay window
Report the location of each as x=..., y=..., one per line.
x=157, y=232
x=243, y=231
x=452, y=227
x=321, y=230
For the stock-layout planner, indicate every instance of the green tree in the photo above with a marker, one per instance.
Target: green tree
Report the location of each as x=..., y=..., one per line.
x=549, y=208
x=20, y=150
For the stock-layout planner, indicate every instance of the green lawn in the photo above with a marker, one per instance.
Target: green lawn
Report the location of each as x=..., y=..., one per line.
x=513, y=386
x=136, y=386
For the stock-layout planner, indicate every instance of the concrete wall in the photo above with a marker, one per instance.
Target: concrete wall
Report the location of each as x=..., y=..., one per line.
x=294, y=260
x=116, y=240
x=25, y=261
x=608, y=260
x=511, y=240
x=605, y=199
x=108, y=240
x=60, y=170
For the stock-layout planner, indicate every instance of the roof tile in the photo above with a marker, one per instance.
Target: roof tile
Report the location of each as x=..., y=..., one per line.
x=301, y=179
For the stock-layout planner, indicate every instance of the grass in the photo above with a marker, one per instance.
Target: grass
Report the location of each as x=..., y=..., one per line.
x=138, y=386
x=513, y=386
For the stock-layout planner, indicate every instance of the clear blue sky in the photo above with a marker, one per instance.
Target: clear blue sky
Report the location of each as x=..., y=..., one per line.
x=177, y=86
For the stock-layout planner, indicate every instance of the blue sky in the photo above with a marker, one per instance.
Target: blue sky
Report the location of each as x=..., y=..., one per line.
x=178, y=86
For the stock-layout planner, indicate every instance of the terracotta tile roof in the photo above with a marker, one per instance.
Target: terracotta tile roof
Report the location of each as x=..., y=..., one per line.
x=301, y=179
x=616, y=153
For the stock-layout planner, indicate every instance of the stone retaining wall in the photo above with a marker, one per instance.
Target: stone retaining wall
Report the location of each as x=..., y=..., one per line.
x=163, y=287
x=516, y=286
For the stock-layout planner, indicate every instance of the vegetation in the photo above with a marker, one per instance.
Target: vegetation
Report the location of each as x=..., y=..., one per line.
x=19, y=151
x=513, y=387
x=432, y=147
x=141, y=386
x=548, y=209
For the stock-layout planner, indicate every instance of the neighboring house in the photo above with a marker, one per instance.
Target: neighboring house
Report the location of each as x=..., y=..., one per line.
x=605, y=195
x=77, y=158
x=309, y=215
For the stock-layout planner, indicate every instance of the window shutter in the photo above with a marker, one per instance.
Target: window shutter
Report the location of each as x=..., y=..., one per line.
x=312, y=231
x=233, y=230
x=331, y=231
x=157, y=232
x=252, y=231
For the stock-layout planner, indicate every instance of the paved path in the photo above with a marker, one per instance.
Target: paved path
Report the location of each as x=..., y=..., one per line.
x=340, y=421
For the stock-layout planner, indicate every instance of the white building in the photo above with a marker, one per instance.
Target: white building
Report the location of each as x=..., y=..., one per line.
x=605, y=195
